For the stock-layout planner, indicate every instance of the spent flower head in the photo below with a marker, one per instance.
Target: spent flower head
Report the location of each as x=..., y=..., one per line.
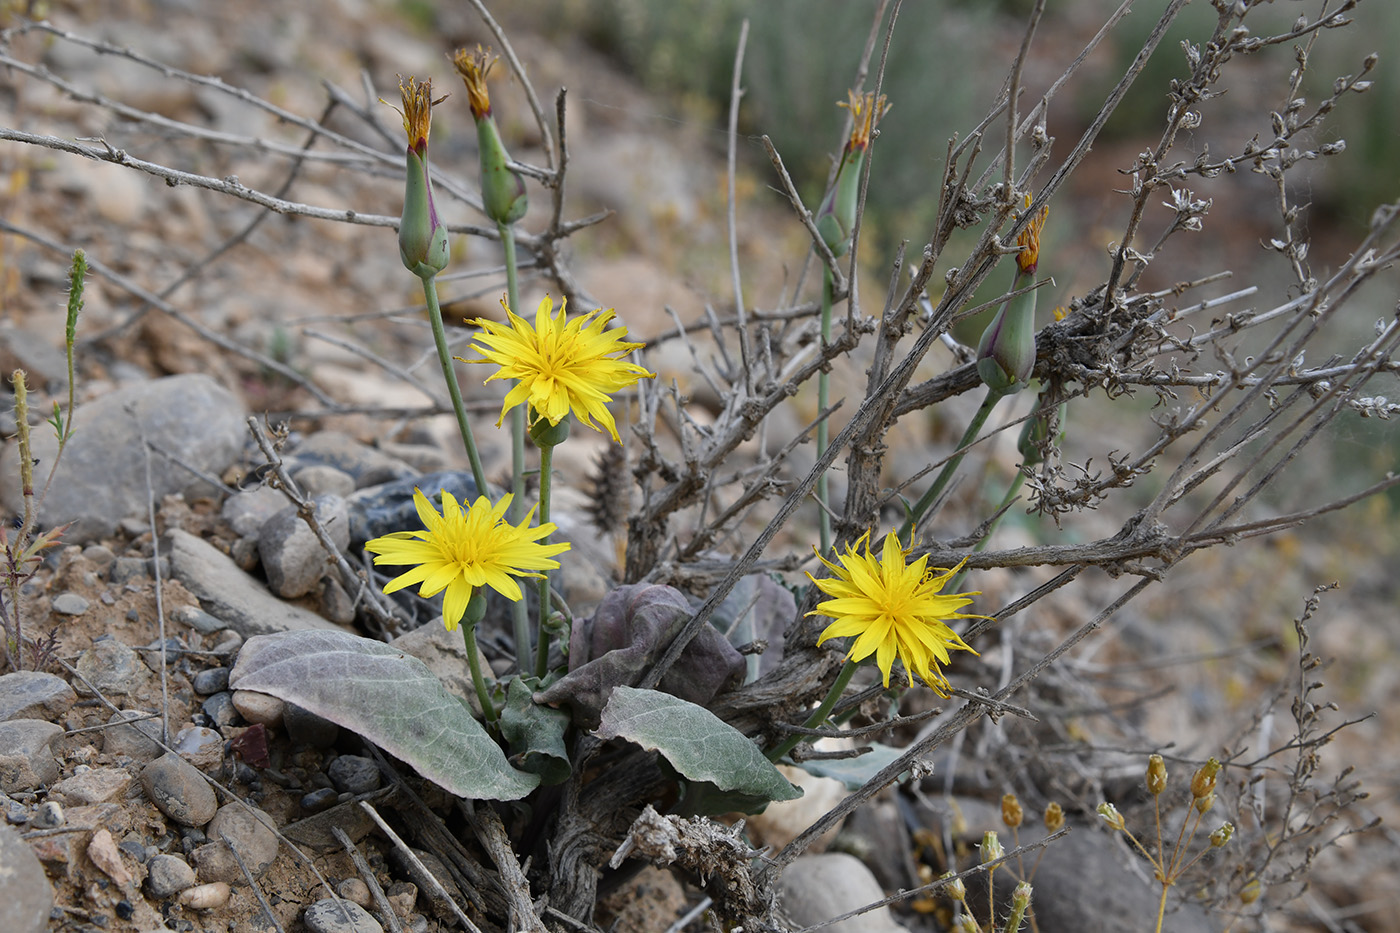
x=459, y=551
x=423, y=245
x=1111, y=816
x=1029, y=240
x=836, y=219
x=503, y=196
x=1011, y=812
x=475, y=67
x=1203, y=781
x=894, y=608
x=866, y=112
x=561, y=365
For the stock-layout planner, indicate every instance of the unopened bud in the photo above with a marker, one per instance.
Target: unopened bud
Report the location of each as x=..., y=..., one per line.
x=1111, y=816
x=1251, y=892
x=1203, y=781
x=1011, y=813
x=1203, y=804
x=1006, y=352
x=955, y=887
x=503, y=194
x=990, y=850
x=1020, y=903
x=967, y=923
x=1054, y=817
x=423, y=245
x=836, y=220
x=1156, y=775
x=1222, y=835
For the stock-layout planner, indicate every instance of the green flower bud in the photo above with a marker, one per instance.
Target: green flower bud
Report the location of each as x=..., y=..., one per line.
x=836, y=220
x=990, y=850
x=1111, y=816
x=502, y=190
x=955, y=888
x=1203, y=781
x=423, y=245
x=1222, y=835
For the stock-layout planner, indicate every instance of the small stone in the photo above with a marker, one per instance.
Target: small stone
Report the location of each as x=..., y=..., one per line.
x=197, y=619
x=228, y=646
x=206, y=896
x=97, y=786
x=249, y=831
x=319, y=800
x=247, y=510
x=292, y=557
x=815, y=888
x=26, y=755
x=100, y=555
x=34, y=695
x=368, y=466
x=124, y=569
x=26, y=897
x=138, y=739
x=179, y=790
x=336, y=604
x=258, y=708
x=174, y=653
x=112, y=668
x=219, y=708
x=336, y=916
x=69, y=604
x=49, y=815
x=354, y=774
x=200, y=746
x=353, y=889
x=103, y=851
x=168, y=874
x=321, y=480
x=306, y=728
x=211, y=681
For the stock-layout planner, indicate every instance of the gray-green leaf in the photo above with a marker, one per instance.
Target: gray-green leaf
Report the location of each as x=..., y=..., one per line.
x=388, y=697
x=695, y=741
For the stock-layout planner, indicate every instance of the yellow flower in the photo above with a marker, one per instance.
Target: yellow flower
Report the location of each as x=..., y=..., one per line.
x=896, y=609
x=459, y=551
x=561, y=365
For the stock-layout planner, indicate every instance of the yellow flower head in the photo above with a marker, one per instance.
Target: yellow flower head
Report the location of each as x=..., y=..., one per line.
x=1029, y=240
x=459, y=551
x=894, y=608
x=561, y=365
x=474, y=67
x=866, y=111
x=417, y=112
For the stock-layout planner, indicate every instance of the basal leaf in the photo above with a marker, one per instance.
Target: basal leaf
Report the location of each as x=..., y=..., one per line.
x=388, y=697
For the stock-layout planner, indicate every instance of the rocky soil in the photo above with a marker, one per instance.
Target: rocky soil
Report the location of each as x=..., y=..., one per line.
x=139, y=792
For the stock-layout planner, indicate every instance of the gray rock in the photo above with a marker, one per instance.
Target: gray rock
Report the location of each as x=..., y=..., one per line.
x=102, y=477
x=26, y=758
x=815, y=888
x=219, y=709
x=249, y=831
x=321, y=480
x=69, y=604
x=336, y=604
x=125, y=569
x=100, y=555
x=49, y=815
x=319, y=801
x=354, y=774
x=389, y=507
x=197, y=619
x=339, y=916
x=34, y=695
x=174, y=652
x=139, y=740
x=26, y=897
x=112, y=669
x=367, y=466
x=306, y=728
x=292, y=558
x=179, y=790
x=211, y=681
x=167, y=875
x=96, y=786
x=248, y=509
x=199, y=745
x=243, y=603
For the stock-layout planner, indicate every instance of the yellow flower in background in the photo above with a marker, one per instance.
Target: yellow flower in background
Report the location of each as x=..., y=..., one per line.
x=894, y=609
x=562, y=365
x=458, y=552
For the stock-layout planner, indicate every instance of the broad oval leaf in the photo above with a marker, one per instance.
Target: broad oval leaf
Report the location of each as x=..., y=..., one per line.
x=695, y=741
x=388, y=697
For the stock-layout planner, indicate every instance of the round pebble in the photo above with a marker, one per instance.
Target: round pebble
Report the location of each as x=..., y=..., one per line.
x=259, y=707
x=354, y=774
x=48, y=816
x=249, y=831
x=334, y=916
x=319, y=800
x=353, y=889
x=168, y=874
x=139, y=740
x=70, y=604
x=179, y=790
x=211, y=681
x=206, y=896
x=219, y=708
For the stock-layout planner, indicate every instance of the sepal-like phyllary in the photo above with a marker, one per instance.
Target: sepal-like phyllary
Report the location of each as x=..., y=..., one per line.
x=423, y=244
x=503, y=194
x=836, y=219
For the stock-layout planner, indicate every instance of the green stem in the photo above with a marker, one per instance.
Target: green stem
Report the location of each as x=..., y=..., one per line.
x=483, y=695
x=823, y=428
x=449, y=376
x=542, y=646
x=520, y=615
x=819, y=714
x=927, y=500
